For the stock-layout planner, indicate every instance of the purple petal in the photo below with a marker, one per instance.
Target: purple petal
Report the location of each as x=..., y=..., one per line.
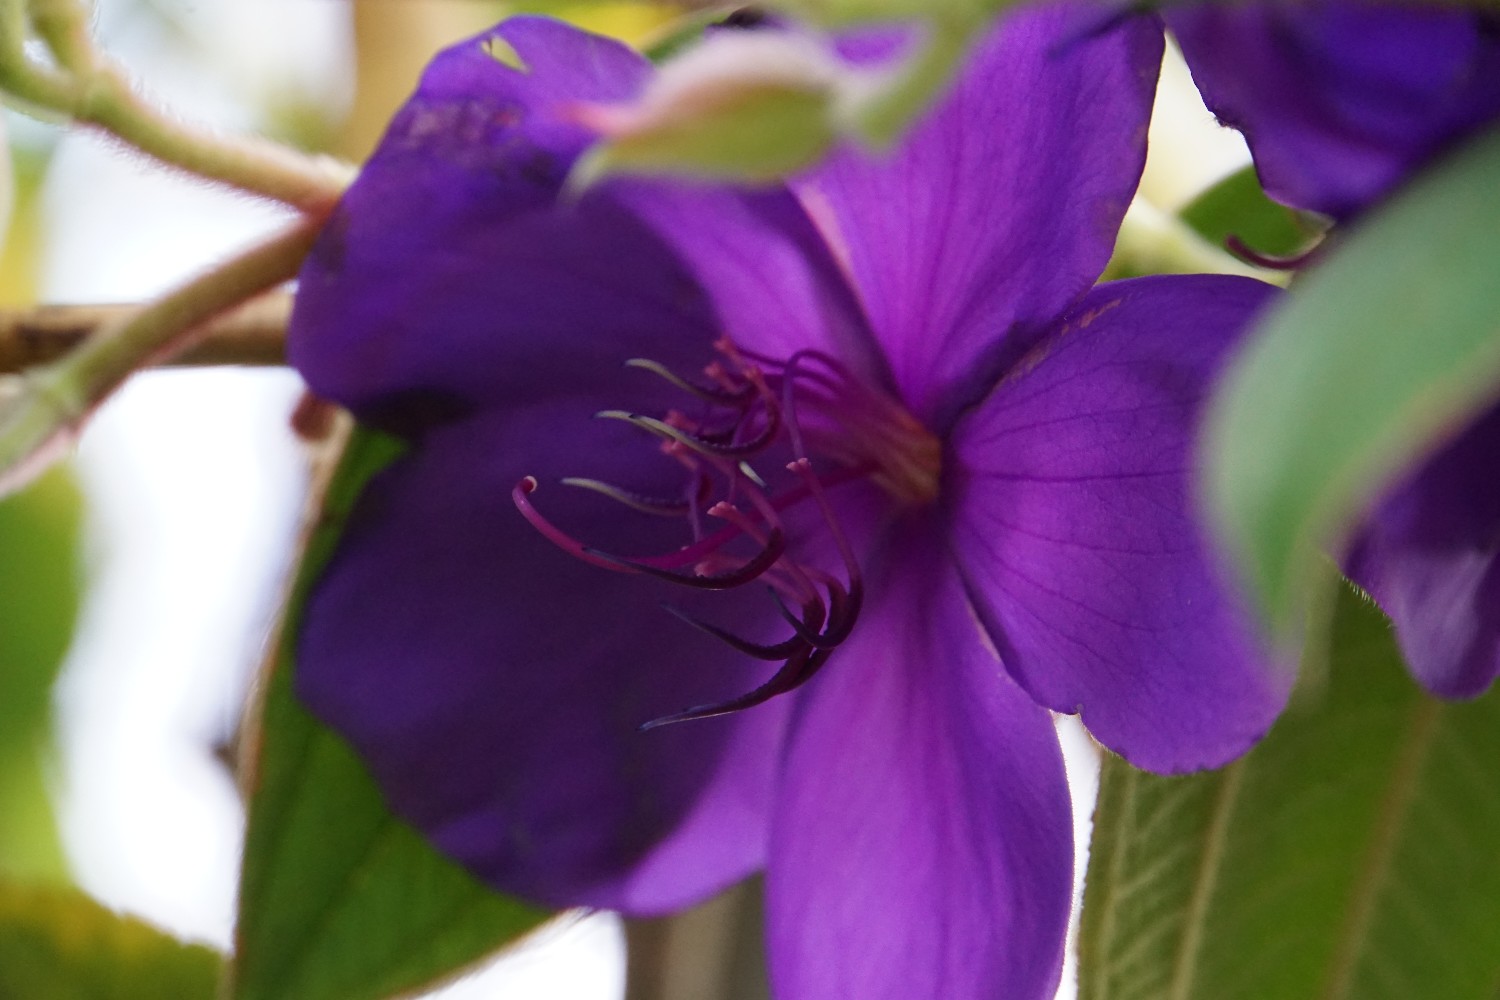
x=1430, y=556
x=1340, y=101
x=1001, y=208
x=921, y=845
x=494, y=684
x=450, y=278
x=1074, y=529
x=773, y=284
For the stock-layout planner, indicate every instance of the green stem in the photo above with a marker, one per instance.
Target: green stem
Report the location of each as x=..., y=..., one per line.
x=94, y=91
x=253, y=333
x=64, y=26
x=20, y=78
x=250, y=163
x=168, y=325
x=48, y=404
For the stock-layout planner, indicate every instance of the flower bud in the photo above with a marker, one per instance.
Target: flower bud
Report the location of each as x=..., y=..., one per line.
x=747, y=106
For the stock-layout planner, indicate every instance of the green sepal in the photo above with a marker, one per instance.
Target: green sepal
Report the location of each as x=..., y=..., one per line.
x=340, y=900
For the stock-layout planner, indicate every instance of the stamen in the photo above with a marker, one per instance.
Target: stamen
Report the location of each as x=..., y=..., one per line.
x=635, y=501
x=793, y=674
x=781, y=651
x=1271, y=262
x=726, y=397
x=519, y=495
x=809, y=632
x=727, y=580
x=662, y=566
x=665, y=430
x=811, y=404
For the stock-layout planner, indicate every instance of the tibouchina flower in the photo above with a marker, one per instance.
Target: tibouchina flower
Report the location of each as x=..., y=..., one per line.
x=1340, y=103
x=910, y=482
x=1342, y=100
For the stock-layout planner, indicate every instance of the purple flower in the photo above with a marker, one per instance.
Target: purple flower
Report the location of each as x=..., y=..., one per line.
x=929, y=483
x=1341, y=100
x=1340, y=103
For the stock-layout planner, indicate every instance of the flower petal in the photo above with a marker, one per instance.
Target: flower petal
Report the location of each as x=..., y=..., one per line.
x=999, y=210
x=1074, y=529
x=1430, y=557
x=449, y=277
x=921, y=845
x=1340, y=101
x=773, y=284
x=494, y=684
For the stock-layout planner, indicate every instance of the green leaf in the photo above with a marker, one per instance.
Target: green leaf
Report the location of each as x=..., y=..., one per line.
x=1381, y=353
x=1237, y=206
x=57, y=944
x=339, y=900
x=1350, y=856
x=39, y=599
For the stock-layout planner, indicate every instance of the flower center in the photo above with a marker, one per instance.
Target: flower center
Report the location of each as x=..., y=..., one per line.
x=749, y=412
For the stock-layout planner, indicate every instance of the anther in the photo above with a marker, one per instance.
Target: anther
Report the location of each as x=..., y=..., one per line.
x=720, y=395
x=666, y=430
x=659, y=506
x=752, y=568
x=780, y=651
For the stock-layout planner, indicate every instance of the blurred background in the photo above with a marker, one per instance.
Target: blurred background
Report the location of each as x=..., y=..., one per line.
x=138, y=584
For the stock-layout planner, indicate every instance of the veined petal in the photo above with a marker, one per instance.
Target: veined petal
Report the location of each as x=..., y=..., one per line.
x=773, y=284
x=1075, y=530
x=921, y=845
x=494, y=684
x=1340, y=101
x=450, y=277
x=1000, y=208
x=1430, y=556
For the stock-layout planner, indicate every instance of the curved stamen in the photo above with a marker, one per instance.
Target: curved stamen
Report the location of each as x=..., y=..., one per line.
x=659, y=506
x=748, y=405
x=838, y=621
x=795, y=672
x=726, y=397
x=783, y=650
x=688, y=555
x=856, y=596
x=1271, y=262
x=796, y=580
x=752, y=568
x=520, y=496
x=699, y=444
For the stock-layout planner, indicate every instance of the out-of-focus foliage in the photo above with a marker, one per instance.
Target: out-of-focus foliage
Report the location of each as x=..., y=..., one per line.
x=339, y=900
x=1350, y=856
x=20, y=253
x=1237, y=207
x=1386, y=348
x=57, y=944
x=635, y=23
x=39, y=597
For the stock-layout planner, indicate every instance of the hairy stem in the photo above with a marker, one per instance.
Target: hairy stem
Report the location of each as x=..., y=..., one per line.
x=251, y=334
x=162, y=329
x=42, y=409
x=90, y=89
